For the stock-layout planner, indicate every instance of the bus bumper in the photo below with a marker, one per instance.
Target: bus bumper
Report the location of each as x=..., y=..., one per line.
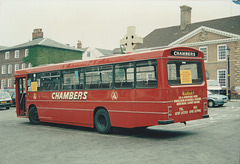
x=165, y=122
x=205, y=116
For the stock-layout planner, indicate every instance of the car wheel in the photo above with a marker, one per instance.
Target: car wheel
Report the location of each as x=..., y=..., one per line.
x=102, y=121
x=33, y=116
x=211, y=103
x=7, y=107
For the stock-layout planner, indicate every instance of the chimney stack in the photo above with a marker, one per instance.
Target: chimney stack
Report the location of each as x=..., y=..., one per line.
x=37, y=33
x=185, y=16
x=79, y=45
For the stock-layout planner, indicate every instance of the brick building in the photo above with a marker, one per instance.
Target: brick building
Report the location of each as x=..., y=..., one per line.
x=212, y=37
x=39, y=51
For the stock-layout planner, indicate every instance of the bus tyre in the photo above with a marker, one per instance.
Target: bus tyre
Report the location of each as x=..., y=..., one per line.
x=33, y=115
x=102, y=121
x=211, y=103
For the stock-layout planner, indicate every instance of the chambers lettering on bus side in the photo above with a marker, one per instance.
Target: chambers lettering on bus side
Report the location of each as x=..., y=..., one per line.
x=69, y=95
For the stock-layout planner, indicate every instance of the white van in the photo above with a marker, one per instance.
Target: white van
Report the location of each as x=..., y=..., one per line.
x=214, y=86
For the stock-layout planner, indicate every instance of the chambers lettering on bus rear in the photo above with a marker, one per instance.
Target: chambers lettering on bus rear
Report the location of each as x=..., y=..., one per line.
x=184, y=53
x=69, y=95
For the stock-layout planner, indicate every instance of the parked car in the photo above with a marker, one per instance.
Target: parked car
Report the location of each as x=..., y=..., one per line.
x=216, y=99
x=235, y=90
x=214, y=86
x=12, y=93
x=5, y=100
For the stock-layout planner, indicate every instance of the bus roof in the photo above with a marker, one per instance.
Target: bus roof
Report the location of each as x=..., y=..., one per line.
x=174, y=52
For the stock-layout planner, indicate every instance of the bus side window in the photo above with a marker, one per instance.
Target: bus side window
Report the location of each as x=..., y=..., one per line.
x=70, y=79
x=124, y=75
x=50, y=81
x=92, y=77
x=146, y=74
x=31, y=80
x=106, y=76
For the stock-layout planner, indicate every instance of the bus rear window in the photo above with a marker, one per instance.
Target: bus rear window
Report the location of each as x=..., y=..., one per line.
x=184, y=72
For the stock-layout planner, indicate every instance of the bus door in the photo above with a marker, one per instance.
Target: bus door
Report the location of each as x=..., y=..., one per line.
x=21, y=96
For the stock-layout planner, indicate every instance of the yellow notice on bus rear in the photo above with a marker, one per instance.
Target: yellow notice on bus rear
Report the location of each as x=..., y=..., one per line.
x=33, y=86
x=186, y=76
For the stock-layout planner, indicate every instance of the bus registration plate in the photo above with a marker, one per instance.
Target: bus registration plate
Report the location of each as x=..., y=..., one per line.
x=187, y=93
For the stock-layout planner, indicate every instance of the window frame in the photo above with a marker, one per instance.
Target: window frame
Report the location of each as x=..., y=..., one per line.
x=178, y=81
x=23, y=65
x=9, y=83
x=26, y=52
x=205, y=59
x=16, y=67
x=218, y=77
x=17, y=54
x=4, y=69
x=7, y=55
x=218, y=52
x=3, y=83
x=10, y=69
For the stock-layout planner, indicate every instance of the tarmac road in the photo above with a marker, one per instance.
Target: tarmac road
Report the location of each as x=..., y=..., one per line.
x=212, y=140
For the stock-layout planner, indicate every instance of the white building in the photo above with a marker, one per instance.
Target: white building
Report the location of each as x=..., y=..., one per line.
x=93, y=53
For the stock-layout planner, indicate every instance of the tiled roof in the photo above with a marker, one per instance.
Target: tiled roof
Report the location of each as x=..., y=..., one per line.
x=165, y=36
x=105, y=52
x=42, y=42
x=2, y=47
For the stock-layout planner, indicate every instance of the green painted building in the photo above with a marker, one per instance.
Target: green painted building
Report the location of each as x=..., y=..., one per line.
x=37, y=52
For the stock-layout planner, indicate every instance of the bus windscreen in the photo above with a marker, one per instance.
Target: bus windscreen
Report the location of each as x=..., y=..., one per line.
x=184, y=72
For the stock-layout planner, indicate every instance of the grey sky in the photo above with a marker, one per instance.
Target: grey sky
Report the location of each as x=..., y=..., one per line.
x=99, y=23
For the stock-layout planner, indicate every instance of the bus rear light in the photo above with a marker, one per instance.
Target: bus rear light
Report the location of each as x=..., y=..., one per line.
x=205, y=108
x=170, y=112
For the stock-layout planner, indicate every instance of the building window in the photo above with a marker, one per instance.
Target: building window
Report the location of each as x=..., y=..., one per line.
x=3, y=69
x=29, y=65
x=9, y=83
x=221, y=74
x=150, y=76
x=26, y=52
x=3, y=83
x=9, y=69
x=23, y=65
x=205, y=52
x=16, y=67
x=138, y=76
x=6, y=55
x=222, y=52
x=88, y=54
x=17, y=54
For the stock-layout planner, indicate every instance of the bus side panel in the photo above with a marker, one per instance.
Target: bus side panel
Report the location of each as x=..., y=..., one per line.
x=143, y=110
x=61, y=111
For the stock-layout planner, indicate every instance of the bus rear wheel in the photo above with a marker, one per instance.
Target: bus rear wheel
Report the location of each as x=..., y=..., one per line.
x=33, y=116
x=102, y=121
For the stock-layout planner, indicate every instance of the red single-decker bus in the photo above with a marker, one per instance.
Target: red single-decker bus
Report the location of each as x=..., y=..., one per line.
x=142, y=89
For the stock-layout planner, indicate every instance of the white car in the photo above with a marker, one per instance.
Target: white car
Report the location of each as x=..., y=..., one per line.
x=5, y=100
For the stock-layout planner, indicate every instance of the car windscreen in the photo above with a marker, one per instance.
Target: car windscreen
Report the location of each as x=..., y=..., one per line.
x=213, y=83
x=4, y=95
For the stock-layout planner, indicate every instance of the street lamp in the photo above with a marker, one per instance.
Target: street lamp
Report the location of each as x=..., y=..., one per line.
x=228, y=75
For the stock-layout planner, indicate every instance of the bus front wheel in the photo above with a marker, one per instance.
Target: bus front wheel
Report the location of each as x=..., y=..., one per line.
x=102, y=121
x=33, y=115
